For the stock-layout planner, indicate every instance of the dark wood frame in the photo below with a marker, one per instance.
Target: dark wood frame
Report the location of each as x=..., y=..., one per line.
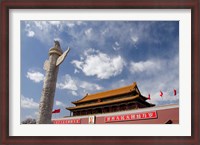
x=102, y=4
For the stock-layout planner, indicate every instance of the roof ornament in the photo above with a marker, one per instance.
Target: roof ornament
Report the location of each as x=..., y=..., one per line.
x=57, y=44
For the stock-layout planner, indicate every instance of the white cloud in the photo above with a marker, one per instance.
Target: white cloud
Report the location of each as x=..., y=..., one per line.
x=76, y=87
x=163, y=82
x=116, y=43
x=88, y=32
x=28, y=103
x=100, y=34
x=58, y=39
x=134, y=40
x=70, y=24
x=165, y=78
x=56, y=23
x=44, y=31
x=89, y=51
x=103, y=32
x=121, y=83
x=116, y=46
x=58, y=103
x=35, y=76
x=67, y=83
x=82, y=58
x=89, y=35
x=43, y=25
x=77, y=63
x=30, y=33
x=167, y=98
x=90, y=86
x=76, y=71
x=145, y=66
x=80, y=23
x=100, y=65
x=74, y=93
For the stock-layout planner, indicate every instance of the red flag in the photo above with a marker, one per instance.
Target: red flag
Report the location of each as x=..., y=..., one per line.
x=174, y=92
x=149, y=98
x=56, y=111
x=161, y=93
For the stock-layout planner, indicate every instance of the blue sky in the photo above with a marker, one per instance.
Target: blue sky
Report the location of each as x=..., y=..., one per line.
x=104, y=55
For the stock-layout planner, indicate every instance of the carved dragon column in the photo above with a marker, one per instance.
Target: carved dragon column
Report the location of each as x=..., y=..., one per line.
x=51, y=66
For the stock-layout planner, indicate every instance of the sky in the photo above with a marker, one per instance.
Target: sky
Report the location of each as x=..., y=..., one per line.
x=103, y=55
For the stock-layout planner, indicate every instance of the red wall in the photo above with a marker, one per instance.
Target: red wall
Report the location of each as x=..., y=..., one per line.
x=163, y=115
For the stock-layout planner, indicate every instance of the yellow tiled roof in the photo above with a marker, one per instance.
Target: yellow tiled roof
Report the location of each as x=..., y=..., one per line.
x=109, y=93
x=103, y=103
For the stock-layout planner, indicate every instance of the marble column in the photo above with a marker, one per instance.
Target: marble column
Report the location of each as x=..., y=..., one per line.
x=47, y=98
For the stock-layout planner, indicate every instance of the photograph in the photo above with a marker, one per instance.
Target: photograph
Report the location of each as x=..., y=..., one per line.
x=111, y=72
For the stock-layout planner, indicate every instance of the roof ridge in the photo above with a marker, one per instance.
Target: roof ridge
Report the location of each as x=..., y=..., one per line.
x=102, y=103
x=134, y=85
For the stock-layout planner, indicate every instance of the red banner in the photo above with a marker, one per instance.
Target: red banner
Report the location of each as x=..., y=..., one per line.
x=136, y=116
x=56, y=111
x=68, y=121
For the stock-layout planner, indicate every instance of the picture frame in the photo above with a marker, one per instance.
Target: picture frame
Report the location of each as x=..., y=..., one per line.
x=103, y=4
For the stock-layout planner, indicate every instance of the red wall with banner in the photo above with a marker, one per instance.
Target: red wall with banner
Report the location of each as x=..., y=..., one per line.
x=160, y=117
x=155, y=115
x=131, y=117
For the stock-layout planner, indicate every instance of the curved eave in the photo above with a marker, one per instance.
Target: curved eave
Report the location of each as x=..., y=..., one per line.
x=152, y=105
x=76, y=102
x=103, y=103
x=145, y=98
